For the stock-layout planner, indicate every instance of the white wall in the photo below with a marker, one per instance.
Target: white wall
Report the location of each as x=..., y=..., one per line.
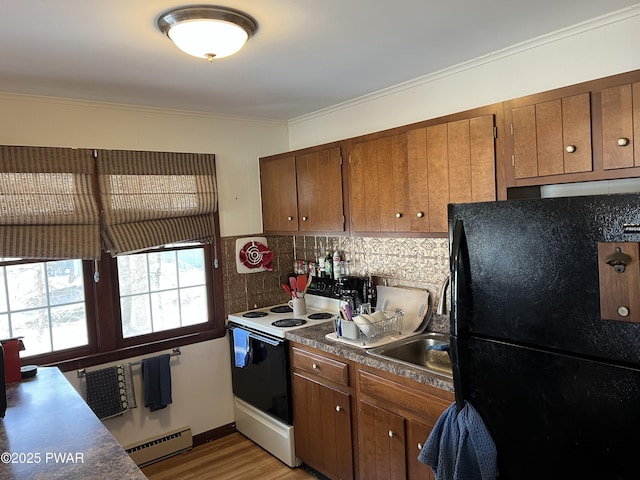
x=202, y=396
x=599, y=48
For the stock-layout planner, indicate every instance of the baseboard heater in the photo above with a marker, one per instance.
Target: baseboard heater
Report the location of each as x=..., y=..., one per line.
x=160, y=447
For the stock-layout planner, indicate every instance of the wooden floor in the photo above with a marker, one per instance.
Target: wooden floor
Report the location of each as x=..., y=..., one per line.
x=233, y=457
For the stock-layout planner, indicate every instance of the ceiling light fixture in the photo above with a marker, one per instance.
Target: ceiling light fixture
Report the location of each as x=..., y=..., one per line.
x=207, y=31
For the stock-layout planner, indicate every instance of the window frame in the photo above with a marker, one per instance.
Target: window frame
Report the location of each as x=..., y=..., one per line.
x=104, y=327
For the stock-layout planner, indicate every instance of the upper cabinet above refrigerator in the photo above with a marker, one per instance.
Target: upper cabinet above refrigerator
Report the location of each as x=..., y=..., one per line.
x=585, y=132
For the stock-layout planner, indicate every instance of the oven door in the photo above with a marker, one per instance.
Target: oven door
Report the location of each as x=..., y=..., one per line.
x=265, y=382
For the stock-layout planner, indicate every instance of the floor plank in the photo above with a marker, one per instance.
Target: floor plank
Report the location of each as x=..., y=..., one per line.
x=233, y=457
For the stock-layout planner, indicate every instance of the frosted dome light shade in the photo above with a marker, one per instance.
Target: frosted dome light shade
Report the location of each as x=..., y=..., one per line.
x=208, y=38
x=207, y=31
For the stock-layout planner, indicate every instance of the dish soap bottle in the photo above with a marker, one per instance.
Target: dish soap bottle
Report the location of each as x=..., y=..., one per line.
x=336, y=265
x=327, y=265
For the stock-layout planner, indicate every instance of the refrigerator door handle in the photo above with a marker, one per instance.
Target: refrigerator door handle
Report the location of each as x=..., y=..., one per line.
x=457, y=281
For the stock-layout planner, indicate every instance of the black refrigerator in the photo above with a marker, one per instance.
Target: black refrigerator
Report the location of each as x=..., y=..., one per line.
x=545, y=324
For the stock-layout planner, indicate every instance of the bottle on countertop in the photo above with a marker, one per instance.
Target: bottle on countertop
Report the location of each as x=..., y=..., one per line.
x=321, y=271
x=328, y=265
x=336, y=265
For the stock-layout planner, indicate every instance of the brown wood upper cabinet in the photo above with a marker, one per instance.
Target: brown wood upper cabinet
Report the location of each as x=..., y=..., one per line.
x=620, y=126
x=302, y=191
x=552, y=138
x=403, y=182
x=279, y=194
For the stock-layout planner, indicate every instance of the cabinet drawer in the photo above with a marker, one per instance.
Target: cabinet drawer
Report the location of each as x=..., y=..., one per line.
x=429, y=406
x=319, y=366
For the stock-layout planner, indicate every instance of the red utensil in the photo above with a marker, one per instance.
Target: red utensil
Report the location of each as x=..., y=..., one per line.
x=288, y=290
x=294, y=285
x=301, y=283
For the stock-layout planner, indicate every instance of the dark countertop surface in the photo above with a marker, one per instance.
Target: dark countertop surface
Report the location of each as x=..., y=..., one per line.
x=49, y=432
x=315, y=336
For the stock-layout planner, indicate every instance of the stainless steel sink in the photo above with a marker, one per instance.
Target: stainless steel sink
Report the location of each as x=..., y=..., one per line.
x=415, y=351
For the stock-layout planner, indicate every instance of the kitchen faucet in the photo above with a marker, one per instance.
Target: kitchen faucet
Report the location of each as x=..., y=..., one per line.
x=442, y=301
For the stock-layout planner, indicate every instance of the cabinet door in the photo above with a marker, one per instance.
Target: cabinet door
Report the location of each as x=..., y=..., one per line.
x=418, y=208
x=319, y=182
x=279, y=197
x=552, y=138
x=378, y=185
x=620, y=126
x=322, y=421
x=417, y=434
x=381, y=445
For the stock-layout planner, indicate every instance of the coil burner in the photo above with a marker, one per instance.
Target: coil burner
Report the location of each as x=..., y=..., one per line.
x=255, y=314
x=281, y=309
x=320, y=316
x=289, y=322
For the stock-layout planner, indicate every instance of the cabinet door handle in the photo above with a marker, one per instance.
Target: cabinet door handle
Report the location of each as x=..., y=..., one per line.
x=420, y=214
x=419, y=446
x=391, y=434
x=571, y=148
x=338, y=408
x=623, y=142
x=304, y=219
x=314, y=366
x=290, y=218
x=398, y=215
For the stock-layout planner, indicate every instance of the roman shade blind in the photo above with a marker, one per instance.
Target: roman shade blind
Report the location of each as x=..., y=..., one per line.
x=151, y=199
x=48, y=206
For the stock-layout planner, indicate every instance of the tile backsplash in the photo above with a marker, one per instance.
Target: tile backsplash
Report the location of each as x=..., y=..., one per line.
x=410, y=262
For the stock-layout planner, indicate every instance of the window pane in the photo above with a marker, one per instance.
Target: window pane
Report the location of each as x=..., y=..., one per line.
x=27, y=286
x=131, y=269
x=194, y=305
x=69, y=326
x=191, y=267
x=177, y=296
x=3, y=293
x=162, y=271
x=136, y=316
x=4, y=326
x=66, y=284
x=165, y=310
x=33, y=325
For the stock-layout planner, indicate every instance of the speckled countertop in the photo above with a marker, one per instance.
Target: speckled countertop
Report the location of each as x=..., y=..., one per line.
x=49, y=432
x=315, y=336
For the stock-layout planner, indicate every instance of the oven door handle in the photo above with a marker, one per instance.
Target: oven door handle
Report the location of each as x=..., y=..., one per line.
x=268, y=340
x=271, y=341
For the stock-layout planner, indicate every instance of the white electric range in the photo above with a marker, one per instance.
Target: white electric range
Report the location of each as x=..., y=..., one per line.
x=262, y=380
x=277, y=320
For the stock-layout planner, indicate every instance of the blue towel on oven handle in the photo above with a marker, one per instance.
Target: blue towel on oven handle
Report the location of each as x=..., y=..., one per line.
x=241, y=347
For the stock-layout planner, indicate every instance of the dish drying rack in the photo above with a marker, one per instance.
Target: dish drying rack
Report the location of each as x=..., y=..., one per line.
x=364, y=331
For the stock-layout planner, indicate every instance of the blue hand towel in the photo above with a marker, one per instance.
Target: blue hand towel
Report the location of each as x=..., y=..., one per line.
x=156, y=379
x=460, y=447
x=241, y=347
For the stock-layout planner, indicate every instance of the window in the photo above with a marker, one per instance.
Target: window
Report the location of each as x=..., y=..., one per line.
x=143, y=303
x=162, y=290
x=111, y=210
x=44, y=302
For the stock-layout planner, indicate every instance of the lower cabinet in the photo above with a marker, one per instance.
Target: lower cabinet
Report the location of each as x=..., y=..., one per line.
x=354, y=421
x=322, y=419
x=322, y=416
x=395, y=417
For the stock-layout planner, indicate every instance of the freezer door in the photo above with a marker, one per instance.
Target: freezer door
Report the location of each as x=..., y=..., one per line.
x=553, y=416
x=527, y=271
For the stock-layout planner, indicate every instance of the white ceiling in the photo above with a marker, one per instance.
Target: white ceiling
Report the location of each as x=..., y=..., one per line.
x=305, y=56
